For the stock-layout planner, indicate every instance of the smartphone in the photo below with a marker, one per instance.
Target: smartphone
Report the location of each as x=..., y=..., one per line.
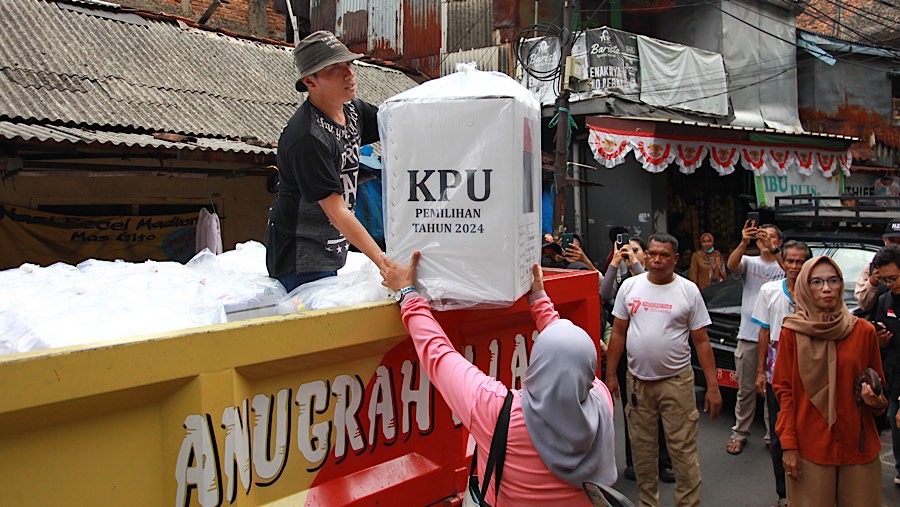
x=566, y=239
x=753, y=218
x=621, y=239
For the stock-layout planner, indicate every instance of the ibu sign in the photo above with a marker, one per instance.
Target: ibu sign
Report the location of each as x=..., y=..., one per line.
x=462, y=185
x=769, y=186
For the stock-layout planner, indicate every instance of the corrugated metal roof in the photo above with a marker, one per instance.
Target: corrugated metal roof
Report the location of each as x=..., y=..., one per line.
x=50, y=133
x=65, y=66
x=737, y=128
x=385, y=30
x=469, y=25
x=421, y=28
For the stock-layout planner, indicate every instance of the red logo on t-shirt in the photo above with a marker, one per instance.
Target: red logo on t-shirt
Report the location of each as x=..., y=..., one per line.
x=635, y=306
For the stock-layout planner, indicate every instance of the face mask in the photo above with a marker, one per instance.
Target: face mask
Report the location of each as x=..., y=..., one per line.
x=710, y=250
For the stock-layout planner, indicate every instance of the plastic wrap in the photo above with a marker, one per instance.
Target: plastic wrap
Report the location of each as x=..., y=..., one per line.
x=462, y=184
x=61, y=305
x=356, y=283
x=238, y=280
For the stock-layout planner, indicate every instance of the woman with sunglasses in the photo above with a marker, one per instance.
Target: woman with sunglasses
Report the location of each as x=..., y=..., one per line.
x=828, y=460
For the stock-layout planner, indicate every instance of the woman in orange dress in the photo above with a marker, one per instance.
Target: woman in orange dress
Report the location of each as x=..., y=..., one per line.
x=829, y=438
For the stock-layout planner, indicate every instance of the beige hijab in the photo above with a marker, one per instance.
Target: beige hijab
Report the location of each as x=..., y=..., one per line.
x=817, y=331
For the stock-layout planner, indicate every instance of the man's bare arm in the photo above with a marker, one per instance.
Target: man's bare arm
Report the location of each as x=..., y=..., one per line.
x=346, y=222
x=734, y=258
x=614, y=350
x=761, y=356
x=713, y=401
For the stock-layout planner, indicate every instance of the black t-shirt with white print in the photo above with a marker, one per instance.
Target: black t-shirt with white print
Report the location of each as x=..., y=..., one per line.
x=316, y=157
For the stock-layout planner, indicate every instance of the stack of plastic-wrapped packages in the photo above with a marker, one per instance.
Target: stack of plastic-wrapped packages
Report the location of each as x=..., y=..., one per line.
x=62, y=305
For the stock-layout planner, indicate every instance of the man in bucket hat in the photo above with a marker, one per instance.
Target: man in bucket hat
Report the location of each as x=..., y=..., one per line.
x=311, y=223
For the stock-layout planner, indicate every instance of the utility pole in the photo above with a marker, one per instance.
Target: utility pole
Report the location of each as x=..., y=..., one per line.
x=561, y=161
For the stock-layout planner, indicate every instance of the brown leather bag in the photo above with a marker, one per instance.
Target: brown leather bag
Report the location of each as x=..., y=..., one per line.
x=868, y=376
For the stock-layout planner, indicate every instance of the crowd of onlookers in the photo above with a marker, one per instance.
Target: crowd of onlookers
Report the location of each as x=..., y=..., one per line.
x=819, y=365
x=830, y=379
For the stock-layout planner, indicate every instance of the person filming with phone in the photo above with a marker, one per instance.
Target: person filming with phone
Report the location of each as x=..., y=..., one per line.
x=754, y=271
x=887, y=329
x=573, y=250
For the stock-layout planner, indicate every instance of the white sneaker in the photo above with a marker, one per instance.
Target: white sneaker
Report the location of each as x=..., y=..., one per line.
x=897, y=480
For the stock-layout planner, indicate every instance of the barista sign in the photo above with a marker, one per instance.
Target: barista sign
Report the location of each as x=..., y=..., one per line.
x=613, y=65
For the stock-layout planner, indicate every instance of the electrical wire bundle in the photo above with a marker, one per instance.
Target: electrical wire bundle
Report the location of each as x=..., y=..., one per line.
x=526, y=40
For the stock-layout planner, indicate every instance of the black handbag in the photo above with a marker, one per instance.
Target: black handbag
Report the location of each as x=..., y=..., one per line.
x=495, y=459
x=868, y=376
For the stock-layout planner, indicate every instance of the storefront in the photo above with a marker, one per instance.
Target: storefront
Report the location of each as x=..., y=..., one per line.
x=654, y=169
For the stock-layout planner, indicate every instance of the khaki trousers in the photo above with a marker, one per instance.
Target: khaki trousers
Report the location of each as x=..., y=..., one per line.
x=745, y=362
x=674, y=401
x=838, y=485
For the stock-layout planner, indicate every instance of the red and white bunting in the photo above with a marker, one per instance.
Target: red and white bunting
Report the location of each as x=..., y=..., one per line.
x=655, y=154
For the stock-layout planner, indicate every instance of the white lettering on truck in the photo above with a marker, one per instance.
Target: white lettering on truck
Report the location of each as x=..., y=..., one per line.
x=261, y=451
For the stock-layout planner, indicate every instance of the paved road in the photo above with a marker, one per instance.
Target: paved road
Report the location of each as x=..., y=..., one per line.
x=744, y=480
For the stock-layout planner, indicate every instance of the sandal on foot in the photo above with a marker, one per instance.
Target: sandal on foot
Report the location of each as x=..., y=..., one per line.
x=735, y=446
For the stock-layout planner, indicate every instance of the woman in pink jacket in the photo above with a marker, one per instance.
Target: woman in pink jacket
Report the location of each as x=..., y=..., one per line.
x=561, y=428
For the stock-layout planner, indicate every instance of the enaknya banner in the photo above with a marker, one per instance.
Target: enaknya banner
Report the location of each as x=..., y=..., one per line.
x=32, y=236
x=613, y=64
x=656, y=153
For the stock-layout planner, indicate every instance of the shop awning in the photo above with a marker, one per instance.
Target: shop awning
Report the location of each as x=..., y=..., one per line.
x=658, y=143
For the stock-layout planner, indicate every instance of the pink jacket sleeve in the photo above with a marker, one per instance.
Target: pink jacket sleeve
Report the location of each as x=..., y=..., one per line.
x=460, y=382
x=542, y=310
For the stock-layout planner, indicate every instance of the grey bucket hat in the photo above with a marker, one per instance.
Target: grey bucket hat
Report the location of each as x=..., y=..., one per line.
x=319, y=50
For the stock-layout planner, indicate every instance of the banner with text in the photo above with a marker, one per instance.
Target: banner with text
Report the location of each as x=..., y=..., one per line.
x=32, y=236
x=542, y=56
x=769, y=186
x=613, y=64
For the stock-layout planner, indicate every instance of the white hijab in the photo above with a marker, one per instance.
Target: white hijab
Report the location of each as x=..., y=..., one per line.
x=570, y=424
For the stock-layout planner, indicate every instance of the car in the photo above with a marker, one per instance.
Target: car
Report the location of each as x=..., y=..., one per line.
x=853, y=251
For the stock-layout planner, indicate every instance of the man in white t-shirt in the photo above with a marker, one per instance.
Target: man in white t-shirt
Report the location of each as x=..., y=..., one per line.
x=655, y=314
x=754, y=271
x=774, y=303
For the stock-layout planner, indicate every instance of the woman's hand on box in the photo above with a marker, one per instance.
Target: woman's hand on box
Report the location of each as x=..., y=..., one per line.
x=397, y=276
x=537, y=283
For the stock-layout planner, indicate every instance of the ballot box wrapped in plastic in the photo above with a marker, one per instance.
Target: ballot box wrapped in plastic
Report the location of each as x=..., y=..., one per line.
x=462, y=184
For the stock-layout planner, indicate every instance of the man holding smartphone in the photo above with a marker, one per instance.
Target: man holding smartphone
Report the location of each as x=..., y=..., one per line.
x=868, y=288
x=887, y=328
x=754, y=271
